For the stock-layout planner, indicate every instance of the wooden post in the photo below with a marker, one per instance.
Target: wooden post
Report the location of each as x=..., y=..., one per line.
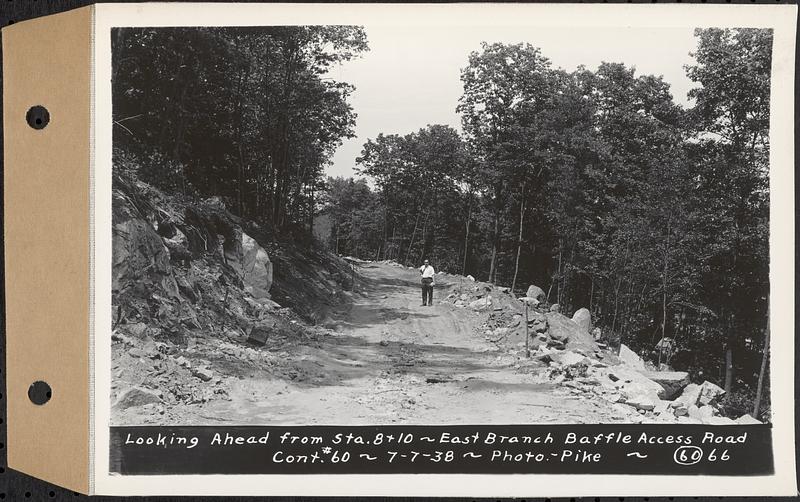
x=527, y=335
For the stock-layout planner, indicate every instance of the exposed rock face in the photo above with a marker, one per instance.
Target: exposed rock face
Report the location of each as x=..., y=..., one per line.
x=136, y=396
x=536, y=293
x=209, y=228
x=564, y=329
x=673, y=382
x=256, y=268
x=709, y=392
x=583, y=318
x=139, y=257
x=631, y=358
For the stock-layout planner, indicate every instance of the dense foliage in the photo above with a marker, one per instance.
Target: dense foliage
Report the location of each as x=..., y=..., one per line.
x=247, y=114
x=598, y=187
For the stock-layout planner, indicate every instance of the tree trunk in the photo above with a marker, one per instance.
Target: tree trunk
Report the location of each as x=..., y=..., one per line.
x=728, y=368
x=729, y=356
x=495, y=238
x=616, y=303
x=519, y=239
x=558, y=277
x=424, y=228
x=496, y=233
x=664, y=281
x=762, y=372
x=311, y=213
x=239, y=141
x=466, y=236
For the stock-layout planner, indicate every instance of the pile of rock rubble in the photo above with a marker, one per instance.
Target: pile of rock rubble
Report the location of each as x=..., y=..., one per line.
x=565, y=351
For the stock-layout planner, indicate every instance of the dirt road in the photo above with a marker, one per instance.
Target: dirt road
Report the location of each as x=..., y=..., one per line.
x=390, y=360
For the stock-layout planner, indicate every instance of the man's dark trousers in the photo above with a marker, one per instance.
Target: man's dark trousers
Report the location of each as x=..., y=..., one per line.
x=427, y=291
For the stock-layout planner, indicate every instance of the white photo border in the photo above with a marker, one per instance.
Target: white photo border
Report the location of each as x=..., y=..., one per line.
x=781, y=18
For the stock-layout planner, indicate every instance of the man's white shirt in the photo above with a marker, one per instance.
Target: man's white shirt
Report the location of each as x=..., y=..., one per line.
x=427, y=271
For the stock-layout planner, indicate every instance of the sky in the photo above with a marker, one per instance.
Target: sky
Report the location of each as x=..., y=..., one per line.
x=410, y=77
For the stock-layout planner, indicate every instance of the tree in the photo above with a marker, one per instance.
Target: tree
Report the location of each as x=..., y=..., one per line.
x=419, y=176
x=505, y=86
x=247, y=114
x=731, y=118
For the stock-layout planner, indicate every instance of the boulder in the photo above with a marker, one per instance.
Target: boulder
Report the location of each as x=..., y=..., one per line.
x=661, y=407
x=634, y=385
x=709, y=392
x=568, y=358
x=673, y=382
x=183, y=362
x=702, y=413
x=536, y=293
x=137, y=352
x=689, y=397
x=583, y=318
x=256, y=268
x=481, y=303
x=631, y=358
x=539, y=325
x=646, y=404
x=136, y=396
x=260, y=333
x=470, y=278
x=747, y=420
x=681, y=411
x=563, y=329
x=555, y=308
x=203, y=374
x=721, y=421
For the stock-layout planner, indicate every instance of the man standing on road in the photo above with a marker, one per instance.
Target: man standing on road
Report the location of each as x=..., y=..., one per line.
x=427, y=273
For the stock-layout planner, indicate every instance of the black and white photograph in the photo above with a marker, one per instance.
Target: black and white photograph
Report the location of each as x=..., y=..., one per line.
x=340, y=224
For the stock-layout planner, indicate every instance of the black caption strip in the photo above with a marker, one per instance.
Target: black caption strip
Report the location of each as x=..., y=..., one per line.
x=543, y=449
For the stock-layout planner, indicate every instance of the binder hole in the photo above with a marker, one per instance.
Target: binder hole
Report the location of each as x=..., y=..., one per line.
x=39, y=392
x=38, y=117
